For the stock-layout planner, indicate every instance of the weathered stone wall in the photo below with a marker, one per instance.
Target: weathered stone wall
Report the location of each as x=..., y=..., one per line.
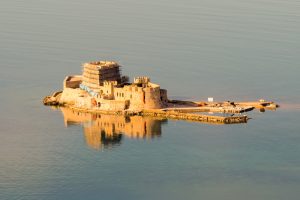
x=133, y=94
x=108, y=89
x=164, y=97
x=70, y=96
x=113, y=105
x=84, y=102
x=137, y=102
x=152, y=98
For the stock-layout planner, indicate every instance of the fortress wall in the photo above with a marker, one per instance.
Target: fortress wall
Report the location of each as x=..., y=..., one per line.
x=127, y=90
x=120, y=94
x=164, y=96
x=70, y=96
x=112, y=105
x=152, y=98
x=108, y=89
x=138, y=98
x=84, y=102
x=131, y=93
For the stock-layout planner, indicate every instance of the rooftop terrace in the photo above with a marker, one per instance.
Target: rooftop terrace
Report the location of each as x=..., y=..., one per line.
x=101, y=64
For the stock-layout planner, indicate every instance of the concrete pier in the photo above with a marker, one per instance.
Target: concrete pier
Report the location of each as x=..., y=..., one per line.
x=219, y=109
x=196, y=117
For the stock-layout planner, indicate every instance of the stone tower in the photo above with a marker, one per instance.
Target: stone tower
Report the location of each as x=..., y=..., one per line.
x=95, y=73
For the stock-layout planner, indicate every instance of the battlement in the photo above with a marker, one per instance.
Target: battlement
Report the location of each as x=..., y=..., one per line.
x=141, y=80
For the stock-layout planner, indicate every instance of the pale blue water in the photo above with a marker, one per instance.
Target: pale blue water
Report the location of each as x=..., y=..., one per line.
x=228, y=49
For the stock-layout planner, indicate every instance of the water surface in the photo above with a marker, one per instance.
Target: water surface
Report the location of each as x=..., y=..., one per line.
x=230, y=50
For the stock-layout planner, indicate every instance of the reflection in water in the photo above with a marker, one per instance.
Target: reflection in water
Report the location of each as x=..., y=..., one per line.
x=107, y=130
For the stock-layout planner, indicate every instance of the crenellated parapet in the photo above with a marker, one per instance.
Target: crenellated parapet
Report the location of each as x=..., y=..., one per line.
x=141, y=80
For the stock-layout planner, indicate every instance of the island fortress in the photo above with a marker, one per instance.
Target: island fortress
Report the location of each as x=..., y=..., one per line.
x=102, y=87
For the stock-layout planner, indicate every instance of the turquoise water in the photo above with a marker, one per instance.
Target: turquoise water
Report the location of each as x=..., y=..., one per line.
x=230, y=50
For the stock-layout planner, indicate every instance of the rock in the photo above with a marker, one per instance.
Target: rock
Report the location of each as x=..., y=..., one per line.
x=52, y=100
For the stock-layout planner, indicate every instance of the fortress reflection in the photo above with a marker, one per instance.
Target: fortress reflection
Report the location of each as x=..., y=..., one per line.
x=104, y=131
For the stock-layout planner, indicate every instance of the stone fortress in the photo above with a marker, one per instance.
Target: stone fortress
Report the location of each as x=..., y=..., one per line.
x=102, y=87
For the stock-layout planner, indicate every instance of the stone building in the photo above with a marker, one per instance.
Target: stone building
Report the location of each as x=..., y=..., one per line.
x=101, y=86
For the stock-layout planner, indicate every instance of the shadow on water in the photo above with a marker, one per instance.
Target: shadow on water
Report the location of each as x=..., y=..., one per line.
x=106, y=131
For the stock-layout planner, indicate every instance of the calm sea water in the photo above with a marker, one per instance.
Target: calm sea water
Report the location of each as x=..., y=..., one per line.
x=228, y=49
